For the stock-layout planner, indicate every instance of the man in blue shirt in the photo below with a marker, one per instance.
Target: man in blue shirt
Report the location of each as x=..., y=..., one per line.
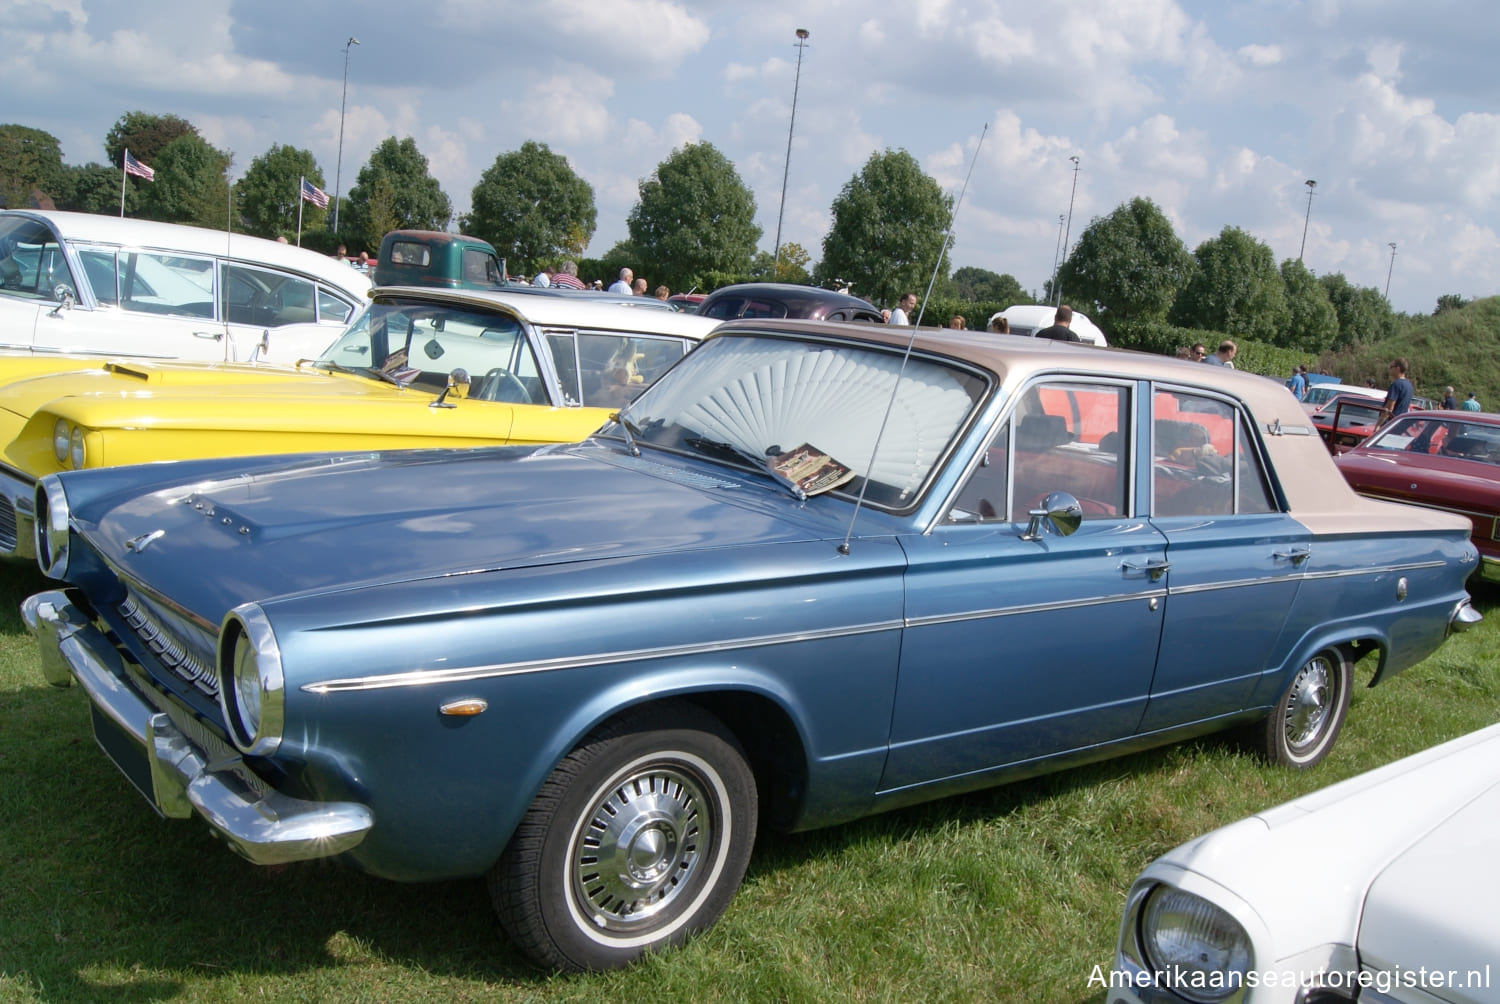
x=1298, y=383
x=1398, y=397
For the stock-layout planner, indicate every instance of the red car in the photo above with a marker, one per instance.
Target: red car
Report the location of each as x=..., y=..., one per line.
x=1347, y=420
x=1446, y=460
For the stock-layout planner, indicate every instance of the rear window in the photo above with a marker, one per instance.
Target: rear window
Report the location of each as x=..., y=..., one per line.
x=410, y=253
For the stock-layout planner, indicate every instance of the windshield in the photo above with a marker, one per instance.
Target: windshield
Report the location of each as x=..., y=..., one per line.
x=767, y=397
x=1442, y=437
x=419, y=344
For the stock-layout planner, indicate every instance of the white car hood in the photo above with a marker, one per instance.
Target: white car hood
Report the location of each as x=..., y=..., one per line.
x=1303, y=869
x=1438, y=904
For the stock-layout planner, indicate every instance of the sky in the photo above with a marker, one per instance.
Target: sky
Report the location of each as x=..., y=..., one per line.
x=1219, y=111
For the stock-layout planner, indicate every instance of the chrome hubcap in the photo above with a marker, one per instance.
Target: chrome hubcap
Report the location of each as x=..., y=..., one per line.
x=1307, y=706
x=637, y=849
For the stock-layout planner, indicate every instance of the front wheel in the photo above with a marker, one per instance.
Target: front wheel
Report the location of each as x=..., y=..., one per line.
x=639, y=838
x=1309, y=714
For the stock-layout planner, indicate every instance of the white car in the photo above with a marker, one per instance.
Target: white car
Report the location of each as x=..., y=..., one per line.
x=1384, y=887
x=83, y=283
x=1320, y=394
x=1027, y=319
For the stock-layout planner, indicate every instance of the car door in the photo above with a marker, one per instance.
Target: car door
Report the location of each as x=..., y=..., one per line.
x=147, y=303
x=1235, y=559
x=1020, y=644
x=32, y=268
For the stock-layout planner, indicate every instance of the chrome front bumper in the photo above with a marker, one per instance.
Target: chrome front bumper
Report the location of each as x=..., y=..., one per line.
x=17, y=516
x=180, y=767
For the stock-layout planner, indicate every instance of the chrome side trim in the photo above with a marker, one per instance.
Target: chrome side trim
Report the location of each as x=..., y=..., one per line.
x=263, y=826
x=424, y=677
x=1034, y=608
x=1374, y=570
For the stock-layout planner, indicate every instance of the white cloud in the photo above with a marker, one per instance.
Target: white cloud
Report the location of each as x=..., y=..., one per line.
x=1260, y=55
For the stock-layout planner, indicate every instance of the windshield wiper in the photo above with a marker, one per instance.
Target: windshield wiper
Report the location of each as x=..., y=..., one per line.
x=760, y=463
x=628, y=429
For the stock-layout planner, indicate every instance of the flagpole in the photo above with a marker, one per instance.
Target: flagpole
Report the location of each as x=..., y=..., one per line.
x=300, y=182
x=122, y=182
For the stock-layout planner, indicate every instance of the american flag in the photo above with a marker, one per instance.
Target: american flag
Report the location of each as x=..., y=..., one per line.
x=312, y=193
x=135, y=167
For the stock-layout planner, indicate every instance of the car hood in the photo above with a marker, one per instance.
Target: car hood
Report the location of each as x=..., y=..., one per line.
x=128, y=388
x=1416, y=476
x=1372, y=819
x=1434, y=905
x=329, y=522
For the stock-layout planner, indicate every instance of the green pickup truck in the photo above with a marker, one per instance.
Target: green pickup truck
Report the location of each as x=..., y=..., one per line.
x=434, y=258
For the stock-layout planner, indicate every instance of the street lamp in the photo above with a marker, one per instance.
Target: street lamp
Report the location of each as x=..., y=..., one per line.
x=338, y=173
x=1389, y=270
x=802, y=34
x=1067, y=235
x=1057, y=250
x=1311, y=185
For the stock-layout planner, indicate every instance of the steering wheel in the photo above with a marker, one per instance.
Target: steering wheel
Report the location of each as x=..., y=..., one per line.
x=503, y=385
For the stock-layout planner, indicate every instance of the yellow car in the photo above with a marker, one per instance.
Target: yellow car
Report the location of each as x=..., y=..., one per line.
x=418, y=368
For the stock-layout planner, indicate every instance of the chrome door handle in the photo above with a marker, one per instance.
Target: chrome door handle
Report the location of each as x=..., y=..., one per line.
x=1154, y=567
x=1296, y=555
x=217, y=336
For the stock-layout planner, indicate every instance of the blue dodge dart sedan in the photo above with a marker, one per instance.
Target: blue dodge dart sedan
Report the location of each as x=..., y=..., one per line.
x=816, y=571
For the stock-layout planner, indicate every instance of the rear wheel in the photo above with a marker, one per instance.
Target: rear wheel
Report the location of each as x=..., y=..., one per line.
x=639, y=838
x=1309, y=714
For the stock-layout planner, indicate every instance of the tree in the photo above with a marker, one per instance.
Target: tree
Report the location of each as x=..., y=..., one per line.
x=30, y=160
x=1236, y=289
x=1449, y=301
x=533, y=208
x=792, y=268
x=145, y=135
x=1364, y=313
x=1127, y=266
x=191, y=185
x=269, y=196
x=95, y=188
x=1312, y=324
x=393, y=192
x=695, y=220
x=889, y=221
x=980, y=285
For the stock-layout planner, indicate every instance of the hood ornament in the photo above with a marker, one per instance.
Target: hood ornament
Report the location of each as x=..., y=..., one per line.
x=139, y=544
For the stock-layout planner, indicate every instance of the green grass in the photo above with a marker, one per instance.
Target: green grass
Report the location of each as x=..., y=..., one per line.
x=1007, y=895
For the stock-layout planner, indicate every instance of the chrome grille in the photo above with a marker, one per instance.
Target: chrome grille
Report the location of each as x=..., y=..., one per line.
x=8, y=535
x=181, y=647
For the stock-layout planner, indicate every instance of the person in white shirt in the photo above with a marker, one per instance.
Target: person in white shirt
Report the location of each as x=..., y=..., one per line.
x=622, y=284
x=907, y=303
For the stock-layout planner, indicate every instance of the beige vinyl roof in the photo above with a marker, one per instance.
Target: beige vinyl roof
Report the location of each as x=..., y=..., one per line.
x=1316, y=493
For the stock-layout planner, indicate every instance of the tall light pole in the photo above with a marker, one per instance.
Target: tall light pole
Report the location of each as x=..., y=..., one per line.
x=1389, y=270
x=802, y=34
x=1311, y=185
x=1067, y=235
x=1057, y=250
x=338, y=172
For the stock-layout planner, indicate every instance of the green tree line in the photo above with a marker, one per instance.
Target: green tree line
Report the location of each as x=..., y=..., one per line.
x=693, y=227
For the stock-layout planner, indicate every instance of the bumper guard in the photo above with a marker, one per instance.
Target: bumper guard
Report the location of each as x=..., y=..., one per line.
x=185, y=776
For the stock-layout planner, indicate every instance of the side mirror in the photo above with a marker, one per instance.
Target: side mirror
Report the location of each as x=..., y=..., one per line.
x=63, y=294
x=458, y=386
x=1061, y=511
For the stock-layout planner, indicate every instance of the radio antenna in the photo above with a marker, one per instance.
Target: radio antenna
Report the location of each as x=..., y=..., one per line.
x=891, y=404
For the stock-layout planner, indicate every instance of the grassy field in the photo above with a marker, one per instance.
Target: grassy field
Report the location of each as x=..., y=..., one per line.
x=1008, y=895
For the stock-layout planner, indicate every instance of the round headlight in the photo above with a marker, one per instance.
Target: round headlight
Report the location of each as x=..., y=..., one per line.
x=1205, y=949
x=251, y=686
x=60, y=436
x=76, y=450
x=51, y=528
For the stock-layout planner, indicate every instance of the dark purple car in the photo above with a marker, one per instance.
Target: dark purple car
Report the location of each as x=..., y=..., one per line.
x=784, y=299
